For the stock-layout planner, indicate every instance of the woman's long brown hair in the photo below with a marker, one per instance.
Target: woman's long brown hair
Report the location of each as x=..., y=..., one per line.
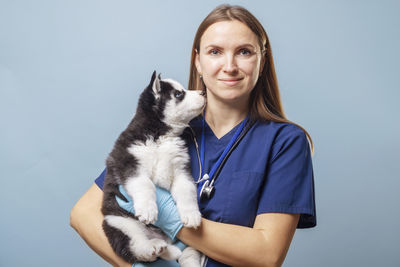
x=265, y=101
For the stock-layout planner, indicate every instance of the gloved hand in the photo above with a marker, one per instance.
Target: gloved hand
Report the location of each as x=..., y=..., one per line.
x=168, y=217
x=161, y=262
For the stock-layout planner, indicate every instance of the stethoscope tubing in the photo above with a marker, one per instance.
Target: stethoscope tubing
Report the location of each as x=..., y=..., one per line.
x=218, y=170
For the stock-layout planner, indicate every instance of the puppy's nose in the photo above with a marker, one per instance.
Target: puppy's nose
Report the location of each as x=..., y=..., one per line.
x=203, y=92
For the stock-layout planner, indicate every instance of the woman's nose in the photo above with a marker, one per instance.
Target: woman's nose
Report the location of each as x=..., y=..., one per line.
x=230, y=64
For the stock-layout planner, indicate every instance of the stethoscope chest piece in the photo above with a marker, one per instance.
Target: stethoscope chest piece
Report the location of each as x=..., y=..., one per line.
x=207, y=191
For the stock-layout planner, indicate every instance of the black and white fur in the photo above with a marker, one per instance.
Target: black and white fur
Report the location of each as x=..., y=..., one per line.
x=152, y=152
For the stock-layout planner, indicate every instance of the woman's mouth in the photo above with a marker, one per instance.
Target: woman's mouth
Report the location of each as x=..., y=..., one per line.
x=231, y=82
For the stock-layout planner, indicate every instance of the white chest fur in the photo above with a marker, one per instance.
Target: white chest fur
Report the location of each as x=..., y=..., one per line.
x=161, y=159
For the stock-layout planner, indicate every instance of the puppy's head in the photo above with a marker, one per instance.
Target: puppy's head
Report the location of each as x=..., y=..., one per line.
x=177, y=105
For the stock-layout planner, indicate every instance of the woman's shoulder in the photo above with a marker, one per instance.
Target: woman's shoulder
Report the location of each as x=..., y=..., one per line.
x=280, y=131
x=282, y=136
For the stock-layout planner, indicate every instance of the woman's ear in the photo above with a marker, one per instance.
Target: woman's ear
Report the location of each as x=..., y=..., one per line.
x=197, y=61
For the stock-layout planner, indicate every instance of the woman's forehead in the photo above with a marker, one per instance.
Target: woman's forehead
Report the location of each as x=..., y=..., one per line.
x=232, y=32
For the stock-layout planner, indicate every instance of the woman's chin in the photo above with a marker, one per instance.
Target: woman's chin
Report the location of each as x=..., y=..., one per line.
x=234, y=99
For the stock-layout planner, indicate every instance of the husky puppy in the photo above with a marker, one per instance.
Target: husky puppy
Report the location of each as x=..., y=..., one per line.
x=149, y=152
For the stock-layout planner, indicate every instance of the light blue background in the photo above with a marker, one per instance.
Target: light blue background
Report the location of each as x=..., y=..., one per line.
x=71, y=73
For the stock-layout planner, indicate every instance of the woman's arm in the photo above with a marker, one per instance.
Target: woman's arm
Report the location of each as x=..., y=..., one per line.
x=266, y=244
x=86, y=218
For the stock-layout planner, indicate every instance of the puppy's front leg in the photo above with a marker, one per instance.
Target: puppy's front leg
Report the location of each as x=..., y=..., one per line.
x=184, y=192
x=143, y=192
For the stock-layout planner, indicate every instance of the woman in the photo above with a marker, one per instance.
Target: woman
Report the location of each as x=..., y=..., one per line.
x=265, y=190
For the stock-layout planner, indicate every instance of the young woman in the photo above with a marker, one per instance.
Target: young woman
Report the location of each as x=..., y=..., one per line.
x=265, y=189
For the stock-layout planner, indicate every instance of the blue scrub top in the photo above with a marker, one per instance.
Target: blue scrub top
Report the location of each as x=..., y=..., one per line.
x=269, y=171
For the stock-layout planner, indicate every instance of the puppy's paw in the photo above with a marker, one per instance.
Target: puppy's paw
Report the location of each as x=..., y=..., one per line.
x=191, y=218
x=150, y=250
x=190, y=258
x=158, y=245
x=147, y=213
x=171, y=253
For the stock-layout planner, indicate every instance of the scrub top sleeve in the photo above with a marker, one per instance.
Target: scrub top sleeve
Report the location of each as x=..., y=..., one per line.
x=100, y=180
x=289, y=182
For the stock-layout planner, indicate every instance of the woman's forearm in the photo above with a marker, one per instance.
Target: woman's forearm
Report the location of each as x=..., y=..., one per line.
x=264, y=245
x=86, y=218
x=229, y=244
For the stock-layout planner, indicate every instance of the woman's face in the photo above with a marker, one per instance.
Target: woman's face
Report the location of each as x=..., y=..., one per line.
x=229, y=60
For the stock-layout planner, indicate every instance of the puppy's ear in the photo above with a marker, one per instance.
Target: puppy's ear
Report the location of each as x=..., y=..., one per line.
x=156, y=86
x=153, y=76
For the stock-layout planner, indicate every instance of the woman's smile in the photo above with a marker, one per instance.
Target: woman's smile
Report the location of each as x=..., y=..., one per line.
x=231, y=81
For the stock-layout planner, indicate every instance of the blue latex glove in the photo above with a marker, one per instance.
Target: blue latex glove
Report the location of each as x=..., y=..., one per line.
x=161, y=262
x=168, y=217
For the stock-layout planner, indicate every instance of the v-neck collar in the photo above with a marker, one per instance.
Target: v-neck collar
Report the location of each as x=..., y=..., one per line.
x=223, y=140
x=196, y=123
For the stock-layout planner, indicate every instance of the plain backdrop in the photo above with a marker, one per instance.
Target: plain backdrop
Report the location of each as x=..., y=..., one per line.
x=71, y=73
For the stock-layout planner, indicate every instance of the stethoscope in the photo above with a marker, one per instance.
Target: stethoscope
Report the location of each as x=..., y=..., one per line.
x=207, y=189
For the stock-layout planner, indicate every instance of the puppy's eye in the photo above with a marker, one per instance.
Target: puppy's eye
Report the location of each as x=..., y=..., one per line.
x=179, y=94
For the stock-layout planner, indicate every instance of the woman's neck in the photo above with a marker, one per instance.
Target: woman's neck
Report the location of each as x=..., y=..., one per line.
x=223, y=117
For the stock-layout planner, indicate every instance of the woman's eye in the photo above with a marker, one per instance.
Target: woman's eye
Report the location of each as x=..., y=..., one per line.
x=178, y=94
x=213, y=52
x=245, y=52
